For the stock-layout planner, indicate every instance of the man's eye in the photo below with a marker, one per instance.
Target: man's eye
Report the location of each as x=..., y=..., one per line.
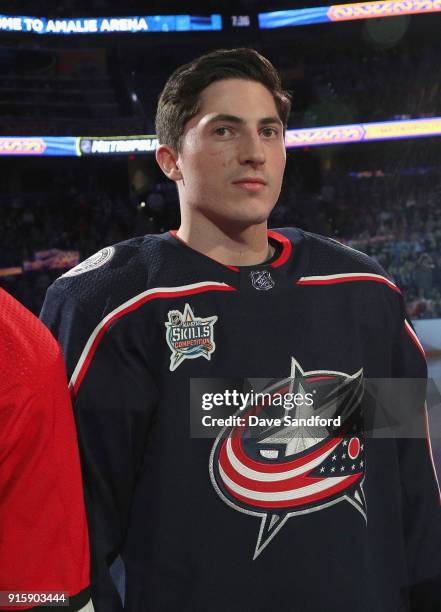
x=222, y=131
x=269, y=132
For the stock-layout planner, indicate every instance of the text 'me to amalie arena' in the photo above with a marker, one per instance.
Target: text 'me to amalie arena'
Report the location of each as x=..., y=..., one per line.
x=79, y=87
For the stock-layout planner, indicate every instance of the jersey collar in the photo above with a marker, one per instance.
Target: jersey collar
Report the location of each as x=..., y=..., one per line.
x=283, y=242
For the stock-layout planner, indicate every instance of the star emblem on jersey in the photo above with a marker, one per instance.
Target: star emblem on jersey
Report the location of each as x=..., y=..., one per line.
x=278, y=472
x=188, y=336
x=262, y=280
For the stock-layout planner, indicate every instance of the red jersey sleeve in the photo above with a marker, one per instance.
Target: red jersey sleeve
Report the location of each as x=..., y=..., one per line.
x=43, y=531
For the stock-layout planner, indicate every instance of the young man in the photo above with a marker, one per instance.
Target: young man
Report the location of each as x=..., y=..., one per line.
x=324, y=520
x=44, y=550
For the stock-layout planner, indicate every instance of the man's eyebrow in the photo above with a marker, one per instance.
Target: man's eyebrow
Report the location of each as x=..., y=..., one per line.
x=240, y=121
x=268, y=120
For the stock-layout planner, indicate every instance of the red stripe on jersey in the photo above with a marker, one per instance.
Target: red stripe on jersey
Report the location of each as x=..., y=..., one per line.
x=286, y=248
x=270, y=486
x=290, y=503
x=284, y=467
x=131, y=308
x=347, y=279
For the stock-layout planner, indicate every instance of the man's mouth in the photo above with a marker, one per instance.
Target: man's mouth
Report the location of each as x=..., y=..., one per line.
x=250, y=184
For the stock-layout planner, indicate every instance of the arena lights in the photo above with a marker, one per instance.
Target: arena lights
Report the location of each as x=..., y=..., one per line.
x=346, y=12
x=191, y=23
x=107, y=25
x=120, y=145
x=363, y=132
x=126, y=145
x=76, y=146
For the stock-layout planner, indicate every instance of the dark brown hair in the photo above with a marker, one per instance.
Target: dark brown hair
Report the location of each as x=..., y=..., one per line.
x=179, y=101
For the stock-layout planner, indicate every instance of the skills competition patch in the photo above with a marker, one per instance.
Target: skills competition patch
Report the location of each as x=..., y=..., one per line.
x=189, y=337
x=94, y=261
x=277, y=472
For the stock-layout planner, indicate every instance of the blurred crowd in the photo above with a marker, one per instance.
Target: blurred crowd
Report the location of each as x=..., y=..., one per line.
x=72, y=219
x=392, y=218
x=342, y=85
x=111, y=89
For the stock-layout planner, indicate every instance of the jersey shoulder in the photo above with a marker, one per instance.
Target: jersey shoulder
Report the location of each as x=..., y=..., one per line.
x=112, y=275
x=329, y=256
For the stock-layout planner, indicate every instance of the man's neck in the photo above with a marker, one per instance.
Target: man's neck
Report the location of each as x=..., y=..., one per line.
x=244, y=247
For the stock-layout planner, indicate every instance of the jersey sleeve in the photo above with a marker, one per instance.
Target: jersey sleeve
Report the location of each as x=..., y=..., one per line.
x=419, y=481
x=114, y=399
x=43, y=533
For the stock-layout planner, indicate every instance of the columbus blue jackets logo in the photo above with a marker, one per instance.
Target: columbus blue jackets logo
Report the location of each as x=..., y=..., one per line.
x=262, y=280
x=189, y=337
x=278, y=472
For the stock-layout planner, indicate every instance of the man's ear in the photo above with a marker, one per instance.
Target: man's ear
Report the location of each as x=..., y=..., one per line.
x=167, y=161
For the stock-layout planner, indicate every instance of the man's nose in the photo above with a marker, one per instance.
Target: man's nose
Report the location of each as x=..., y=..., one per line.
x=251, y=150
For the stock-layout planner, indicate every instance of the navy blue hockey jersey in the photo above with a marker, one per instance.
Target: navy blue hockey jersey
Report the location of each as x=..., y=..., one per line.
x=331, y=522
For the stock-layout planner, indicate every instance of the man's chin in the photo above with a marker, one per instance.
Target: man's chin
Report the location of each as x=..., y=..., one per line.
x=244, y=221
x=239, y=219
x=251, y=215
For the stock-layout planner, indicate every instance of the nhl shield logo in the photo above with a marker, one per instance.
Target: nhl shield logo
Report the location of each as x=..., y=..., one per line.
x=189, y=337
x=262, y=280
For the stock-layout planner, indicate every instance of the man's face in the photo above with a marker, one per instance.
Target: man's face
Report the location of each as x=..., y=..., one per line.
x=237, y=135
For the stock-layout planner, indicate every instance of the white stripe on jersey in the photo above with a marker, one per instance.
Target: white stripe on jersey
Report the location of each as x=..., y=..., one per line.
x=410, y=330
x=128, y=304
x=426, y=416
x=349, y=275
